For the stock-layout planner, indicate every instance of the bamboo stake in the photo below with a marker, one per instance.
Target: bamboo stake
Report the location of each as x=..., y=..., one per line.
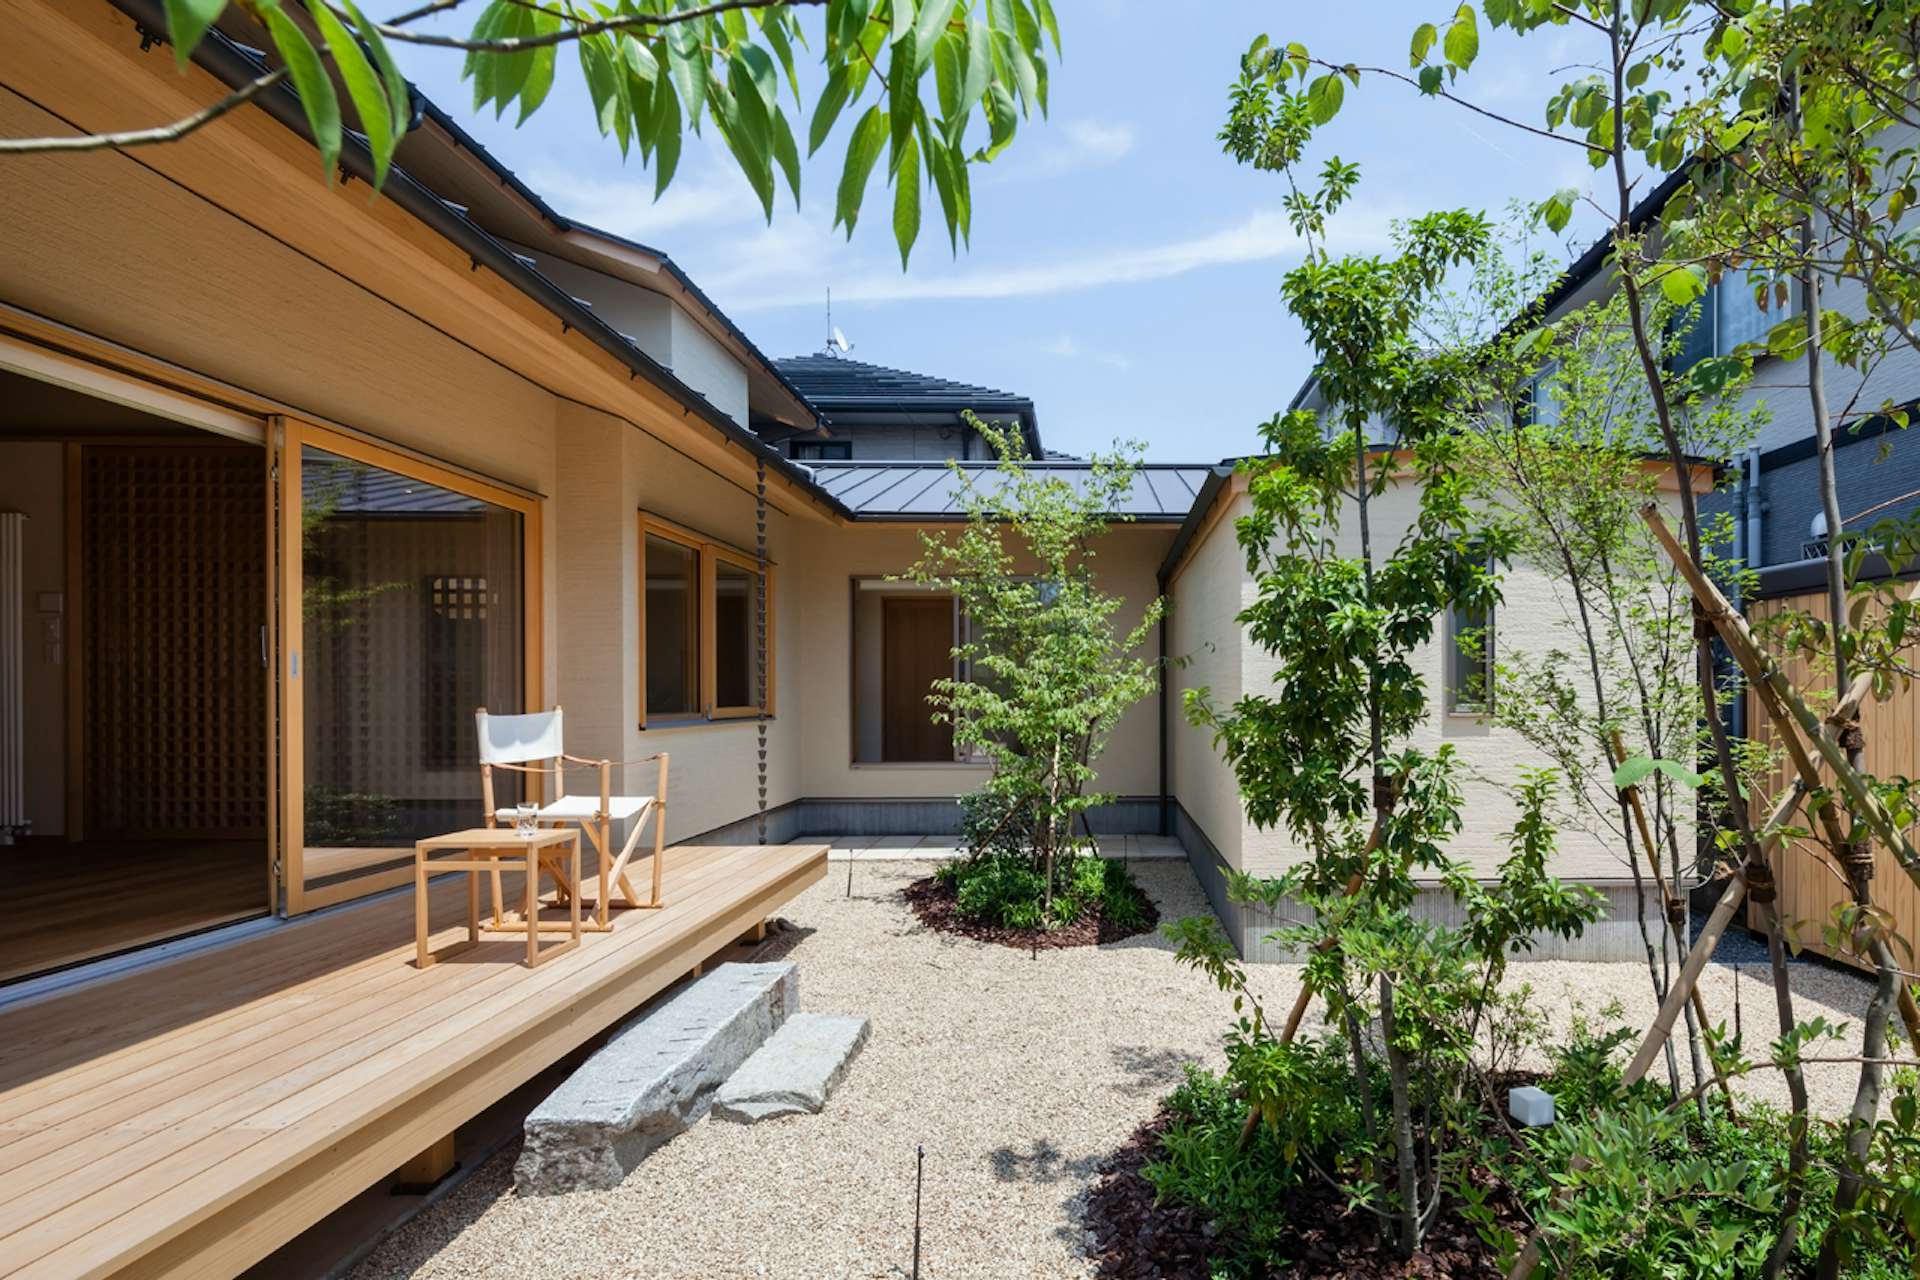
x=1789, y=712
x=1354, y=884
x=1670, y=904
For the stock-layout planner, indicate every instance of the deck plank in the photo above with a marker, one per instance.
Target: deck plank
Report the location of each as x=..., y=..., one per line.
x=201, y=1141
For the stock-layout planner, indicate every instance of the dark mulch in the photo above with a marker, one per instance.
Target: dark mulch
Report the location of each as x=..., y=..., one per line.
x=936, y=908
x=1135, y=1239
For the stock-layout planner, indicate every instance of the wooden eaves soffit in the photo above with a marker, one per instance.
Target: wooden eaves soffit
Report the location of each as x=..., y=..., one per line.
x=83, y=60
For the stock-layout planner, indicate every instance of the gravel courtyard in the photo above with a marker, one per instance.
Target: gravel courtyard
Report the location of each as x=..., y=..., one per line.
x=1018, y=1074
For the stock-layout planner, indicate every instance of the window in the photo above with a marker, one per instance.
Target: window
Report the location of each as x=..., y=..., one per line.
x=1539, y=401
x=1727, y=316
x=672, y=641
x=1469, y=658
x=822, y=450
x=703, y=629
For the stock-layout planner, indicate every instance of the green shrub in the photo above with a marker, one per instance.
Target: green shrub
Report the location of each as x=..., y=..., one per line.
x=1010, y=891
x=1202, y=1166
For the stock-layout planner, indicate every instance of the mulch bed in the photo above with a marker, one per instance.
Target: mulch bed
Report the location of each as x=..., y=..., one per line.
x=933, y=903
x=1136, y=1239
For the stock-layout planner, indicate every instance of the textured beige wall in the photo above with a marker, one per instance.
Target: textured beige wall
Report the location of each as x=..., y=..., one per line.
x=1208, y=594
x=1536, y=617
x=825, y=563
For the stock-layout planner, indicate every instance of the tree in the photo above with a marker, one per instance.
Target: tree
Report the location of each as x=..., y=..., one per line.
x=1047, y=673
x=1787, y=133
x=656, y=70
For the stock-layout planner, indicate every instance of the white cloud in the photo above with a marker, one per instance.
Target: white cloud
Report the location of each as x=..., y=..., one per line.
x=625, y=205
x=1098, y=142
x=1068, y=347
x=1257, y=238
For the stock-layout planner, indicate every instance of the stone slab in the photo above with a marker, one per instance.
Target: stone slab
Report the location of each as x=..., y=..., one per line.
x=654, y=1079
x=795, y=1071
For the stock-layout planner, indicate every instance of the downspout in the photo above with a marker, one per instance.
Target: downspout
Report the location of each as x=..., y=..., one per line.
x=1749, y=549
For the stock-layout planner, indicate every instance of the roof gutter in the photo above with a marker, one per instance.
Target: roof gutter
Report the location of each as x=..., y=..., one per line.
x=233, y=65
x=1217, y=478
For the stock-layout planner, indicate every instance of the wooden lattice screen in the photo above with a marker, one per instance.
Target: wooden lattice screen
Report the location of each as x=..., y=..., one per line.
x=173, y=577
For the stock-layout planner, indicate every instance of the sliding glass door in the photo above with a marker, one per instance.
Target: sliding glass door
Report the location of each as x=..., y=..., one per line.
x=410, y=600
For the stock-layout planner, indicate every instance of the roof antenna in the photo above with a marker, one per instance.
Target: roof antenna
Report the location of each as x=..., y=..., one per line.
x=837, y=344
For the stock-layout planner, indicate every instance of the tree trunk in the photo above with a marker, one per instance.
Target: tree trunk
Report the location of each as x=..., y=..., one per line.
x=1400, y=1072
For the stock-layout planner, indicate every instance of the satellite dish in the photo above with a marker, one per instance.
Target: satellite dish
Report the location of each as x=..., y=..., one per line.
x=840, y=341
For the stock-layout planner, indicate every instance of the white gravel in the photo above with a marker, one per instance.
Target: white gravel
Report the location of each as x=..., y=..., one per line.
x=1018, y=1074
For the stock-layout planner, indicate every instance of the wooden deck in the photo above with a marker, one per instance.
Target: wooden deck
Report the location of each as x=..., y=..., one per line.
x=190, y=1118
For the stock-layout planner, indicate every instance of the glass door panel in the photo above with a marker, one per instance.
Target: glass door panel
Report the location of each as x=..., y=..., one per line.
x=413, y=609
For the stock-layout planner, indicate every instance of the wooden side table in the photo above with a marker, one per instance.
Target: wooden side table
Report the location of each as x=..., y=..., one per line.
x=493, y=849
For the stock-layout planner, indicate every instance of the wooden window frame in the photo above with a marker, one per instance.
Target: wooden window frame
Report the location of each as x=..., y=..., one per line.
x=709, y=552
x=293, y=435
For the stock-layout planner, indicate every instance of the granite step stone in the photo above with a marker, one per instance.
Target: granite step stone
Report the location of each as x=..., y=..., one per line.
x=653, y=1080
x=795, y=1071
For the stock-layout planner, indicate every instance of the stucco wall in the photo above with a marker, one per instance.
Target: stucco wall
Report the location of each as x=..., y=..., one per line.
x=823, y=567
x=1204, y=635
x=1534, y=618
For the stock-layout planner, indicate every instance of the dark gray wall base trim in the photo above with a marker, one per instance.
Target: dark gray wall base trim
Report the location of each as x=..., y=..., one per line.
x=905, y=816
x=1614, y=937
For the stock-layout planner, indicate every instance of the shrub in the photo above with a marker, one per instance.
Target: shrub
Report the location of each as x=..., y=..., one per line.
x=1009, y=891
x=1202, y=1165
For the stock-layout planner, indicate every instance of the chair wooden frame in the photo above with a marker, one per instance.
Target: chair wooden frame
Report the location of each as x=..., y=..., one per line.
x=599, y=831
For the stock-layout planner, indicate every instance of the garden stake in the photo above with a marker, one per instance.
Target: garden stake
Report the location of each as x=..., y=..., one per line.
x=1670, y=901
x=919, y=1176
x=1788, y=711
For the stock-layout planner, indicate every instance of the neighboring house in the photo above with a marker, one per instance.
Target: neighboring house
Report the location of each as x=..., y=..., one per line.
x=868, y=412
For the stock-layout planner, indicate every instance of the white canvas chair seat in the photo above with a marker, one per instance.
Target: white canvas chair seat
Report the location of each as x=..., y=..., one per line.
x=533, y=745
x=584, y=808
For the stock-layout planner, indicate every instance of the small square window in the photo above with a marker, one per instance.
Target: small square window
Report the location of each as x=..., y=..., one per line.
x=823, y=450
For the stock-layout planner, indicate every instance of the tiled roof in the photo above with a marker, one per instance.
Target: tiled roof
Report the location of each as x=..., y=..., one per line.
x=835, y=382
x=1162, y=492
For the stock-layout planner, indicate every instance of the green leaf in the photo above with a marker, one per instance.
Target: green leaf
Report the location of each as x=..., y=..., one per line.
x=1557, y=209
x=666, y=134
x=1044, y=8
x=1637, y=73
x=946, y=74
x=1632, y=772
x=826, y=110
x=940, y=166
x=687, y=63
x=902, y=14
x=363, y=87
x=1025, y=77
x=1683, y=284
x=310, y=77
x=399, y=96
x=863, y=149
x=846, y=21
x=1424, y=36
x=1462, y=44
x=1002, y=119
x=979, y=57
x=1430, y=78
x=932, y=23
x=786, y=154
x=187, y=23
x=783, y=50
x=538, y=83
x=906, y=200
x=1324, y=96
x=903, y=93
x=749, y=128
x=765, y=78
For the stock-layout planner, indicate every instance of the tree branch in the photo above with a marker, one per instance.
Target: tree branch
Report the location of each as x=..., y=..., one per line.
x=1474, y=107
x=147, y=137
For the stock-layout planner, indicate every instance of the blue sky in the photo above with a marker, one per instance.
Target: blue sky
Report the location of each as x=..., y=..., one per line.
x=1123, y=272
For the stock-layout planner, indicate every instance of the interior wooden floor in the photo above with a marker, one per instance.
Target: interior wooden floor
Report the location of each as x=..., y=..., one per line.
x=62, y=903
x=187, y=1119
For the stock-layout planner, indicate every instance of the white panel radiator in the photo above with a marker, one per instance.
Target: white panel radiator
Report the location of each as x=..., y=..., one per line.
x=13, y=712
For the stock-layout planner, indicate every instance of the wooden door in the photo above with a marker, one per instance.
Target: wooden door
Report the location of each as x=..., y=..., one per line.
x=917, y=645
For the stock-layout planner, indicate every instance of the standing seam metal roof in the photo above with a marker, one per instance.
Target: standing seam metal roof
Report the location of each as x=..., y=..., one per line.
x=1161, y=492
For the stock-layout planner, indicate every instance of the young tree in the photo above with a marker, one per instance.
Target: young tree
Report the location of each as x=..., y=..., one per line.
x=1047, y=672
x=656, y=70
